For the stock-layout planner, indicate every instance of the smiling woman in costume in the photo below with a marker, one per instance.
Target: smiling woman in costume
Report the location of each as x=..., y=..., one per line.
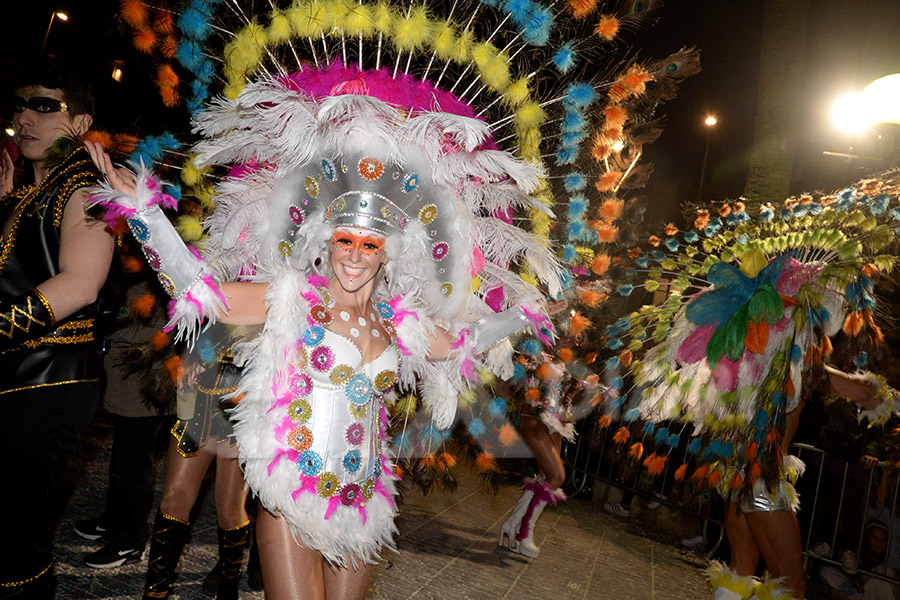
x=352, y=237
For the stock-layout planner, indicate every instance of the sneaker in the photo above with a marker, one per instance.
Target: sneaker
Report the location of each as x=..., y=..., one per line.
x=91, y=529
x=820, y=550
x=849, y=563
x=112, y=555
x=617, y=509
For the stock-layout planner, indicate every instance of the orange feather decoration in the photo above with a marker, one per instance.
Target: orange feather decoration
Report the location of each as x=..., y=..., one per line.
x=132, y=264
x=160, y=340
x=508, y=435
x=486, y=463
x=611, y=209
x=144, y=40
x=607, y=233
x=607, y=27
x=622, y=435
x=134, y=12
x=100, y=137
x=578, y=324
x=615, y=116
x=600, y=264
x=174, y=368
x=143, y=305
x=582, y=8
x=608, y=181
x=636, y=451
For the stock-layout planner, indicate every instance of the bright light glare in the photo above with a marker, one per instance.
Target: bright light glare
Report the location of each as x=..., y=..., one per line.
x=10, y=131
x=618, y=145
x=62, y=16
x=881, y=97
x=850, y=114
x=117, y=74
x=710, y=121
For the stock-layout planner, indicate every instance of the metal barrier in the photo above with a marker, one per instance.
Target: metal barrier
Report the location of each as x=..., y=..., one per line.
x=853, y=508
x=588, y=458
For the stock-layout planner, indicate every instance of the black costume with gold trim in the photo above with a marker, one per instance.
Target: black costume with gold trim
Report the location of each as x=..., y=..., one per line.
x=210, y=419
x=51, y=373
x=29, y=255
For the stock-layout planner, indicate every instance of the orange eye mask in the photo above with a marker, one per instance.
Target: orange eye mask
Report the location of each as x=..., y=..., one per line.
x=366, y=244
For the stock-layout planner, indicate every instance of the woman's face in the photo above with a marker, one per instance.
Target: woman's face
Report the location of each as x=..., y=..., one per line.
x=356, y=256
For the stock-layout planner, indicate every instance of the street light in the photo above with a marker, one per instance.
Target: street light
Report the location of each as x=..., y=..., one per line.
x=55, y=15
x=710, y=122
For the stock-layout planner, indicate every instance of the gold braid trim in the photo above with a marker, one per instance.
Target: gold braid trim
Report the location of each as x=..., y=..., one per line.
x=74, y=339
x=43, y=385
x=46, y=304
x=11, y=319
x=30, y=579
x=171, y=518
x=236, y=527
x=85, y=175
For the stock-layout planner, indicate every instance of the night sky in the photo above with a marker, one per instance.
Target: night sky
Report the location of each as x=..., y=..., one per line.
x=848, y=45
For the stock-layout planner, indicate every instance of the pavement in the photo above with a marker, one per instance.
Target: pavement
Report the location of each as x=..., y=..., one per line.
x=447, y=547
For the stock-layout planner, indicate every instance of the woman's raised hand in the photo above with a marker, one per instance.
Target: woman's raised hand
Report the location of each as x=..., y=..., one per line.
x=120, y=179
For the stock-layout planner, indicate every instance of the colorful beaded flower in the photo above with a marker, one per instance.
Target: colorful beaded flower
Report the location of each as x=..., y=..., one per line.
x=359, y=389
x=300, y=439
x=139, y=229
x=313, y=335
x=153, y=258
x=167, y=283
x=321, y=315
x=368, y=488
x=309, y=463
x=299, y=411
x=321, y=359
x=341, y=374
x=312, y=188
x=428, y=213
x=410, y=183
x=384, y=309
x=301, y=385
x=285, y=248
x=328, y=484
x=355, y=434
x=352, y=461
x=370, y=169
x=446, y=288
x=357, y=411
x=440, y=250
x=349, y=493
x=328, y=169
x=297, y=214
x=384, y=380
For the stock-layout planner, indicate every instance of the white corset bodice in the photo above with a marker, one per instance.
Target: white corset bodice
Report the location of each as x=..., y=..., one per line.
x=336, y=410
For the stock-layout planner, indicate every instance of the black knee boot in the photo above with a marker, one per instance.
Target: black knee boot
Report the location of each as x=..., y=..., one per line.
x=166, y=545
x=223, y=580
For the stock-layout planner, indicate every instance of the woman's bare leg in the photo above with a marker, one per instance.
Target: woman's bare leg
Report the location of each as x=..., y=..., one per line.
x=184, y=477
x=744, y=553
x=777, y=535
x=290, y=571
x=545, y=448
x=347, y=584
